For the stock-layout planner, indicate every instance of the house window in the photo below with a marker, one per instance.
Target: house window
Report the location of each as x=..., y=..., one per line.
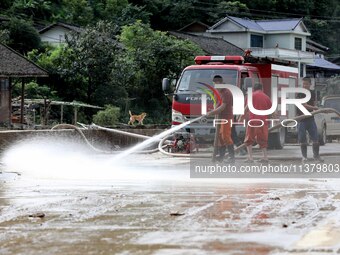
x=298, y=43
x=256, y=41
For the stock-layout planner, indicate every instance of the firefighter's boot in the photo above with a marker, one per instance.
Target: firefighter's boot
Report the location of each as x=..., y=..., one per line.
x=316, y=155
x=231, y=153
x=304, y=153
x=221, y=152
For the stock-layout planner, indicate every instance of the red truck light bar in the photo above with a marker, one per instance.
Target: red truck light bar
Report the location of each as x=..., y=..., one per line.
x=200, y=60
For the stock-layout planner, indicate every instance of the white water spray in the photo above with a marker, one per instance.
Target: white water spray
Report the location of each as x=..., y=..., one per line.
x=59, y=158
x=51, y=158
x=153, y=139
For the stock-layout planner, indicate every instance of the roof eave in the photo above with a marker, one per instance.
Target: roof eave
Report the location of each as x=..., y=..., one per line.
x=46, y=28
x=218, y=23
x=224, y=20
x=317, y=45
x=68, y=27
x=256, y=31
x=287, y=32
x=303, y=24
x=225, y=31
x=23, y=75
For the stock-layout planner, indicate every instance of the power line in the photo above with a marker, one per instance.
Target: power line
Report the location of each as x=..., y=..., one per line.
x=245, y=13
x=282, y=13
x=298, y=14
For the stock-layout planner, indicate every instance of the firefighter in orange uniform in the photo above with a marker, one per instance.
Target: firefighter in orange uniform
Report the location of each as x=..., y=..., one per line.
x=223, y=139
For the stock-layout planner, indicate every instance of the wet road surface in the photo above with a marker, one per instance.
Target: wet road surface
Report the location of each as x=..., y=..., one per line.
x=140, y=218
x=153, y=207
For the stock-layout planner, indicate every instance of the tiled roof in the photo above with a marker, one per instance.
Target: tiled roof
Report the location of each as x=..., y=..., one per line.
x=211, y=45
x=262, y=25
x=247, y=23
x=323, y=63
x=278, y=25
x=13, y=64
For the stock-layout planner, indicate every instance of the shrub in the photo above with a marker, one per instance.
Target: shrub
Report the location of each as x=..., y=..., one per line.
x=107, y=117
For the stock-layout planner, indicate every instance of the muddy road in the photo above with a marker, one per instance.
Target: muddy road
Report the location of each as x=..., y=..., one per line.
x=149, y=205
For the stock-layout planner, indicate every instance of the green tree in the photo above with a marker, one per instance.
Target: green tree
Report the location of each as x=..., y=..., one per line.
x=170, y=15
x=4, y=36
x=233, y=6
x=22, y=36
x=130, y=14
x=47, y=58
x=39, y=9
x=227, y=7
x=150, y=56
x=35, y=91
x=54, y=60
x=88, y=61
x=5, y=4
x=114, y=7
x=77, y=12
x=82, y=70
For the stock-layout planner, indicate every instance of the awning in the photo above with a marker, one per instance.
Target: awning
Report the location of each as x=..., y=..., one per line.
x=323, y=63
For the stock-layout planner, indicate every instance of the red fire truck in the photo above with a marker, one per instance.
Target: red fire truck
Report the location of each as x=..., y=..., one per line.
x=186, y=97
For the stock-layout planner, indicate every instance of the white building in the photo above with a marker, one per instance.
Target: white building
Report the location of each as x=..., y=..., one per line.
x=283, y=39
x=246, y=33
x=56, y=33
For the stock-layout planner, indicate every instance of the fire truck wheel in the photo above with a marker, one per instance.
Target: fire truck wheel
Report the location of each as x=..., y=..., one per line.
x=277, y=140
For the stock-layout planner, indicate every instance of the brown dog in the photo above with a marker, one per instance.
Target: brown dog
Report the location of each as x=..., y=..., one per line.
x=138, y=118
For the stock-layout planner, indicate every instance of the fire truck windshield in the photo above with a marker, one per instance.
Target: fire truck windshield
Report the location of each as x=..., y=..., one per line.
x=191, y=79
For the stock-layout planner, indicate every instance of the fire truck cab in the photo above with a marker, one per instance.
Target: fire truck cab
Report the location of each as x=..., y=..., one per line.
x=186, y=97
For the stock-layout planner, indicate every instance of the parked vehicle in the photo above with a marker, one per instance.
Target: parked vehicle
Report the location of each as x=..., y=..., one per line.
x=186, y=103
x=332, y=120
x=320, y=120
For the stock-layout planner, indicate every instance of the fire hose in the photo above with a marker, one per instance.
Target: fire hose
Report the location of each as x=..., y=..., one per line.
x=130, y=134
x=162, y=146
x=299, y=118
x=94, y=126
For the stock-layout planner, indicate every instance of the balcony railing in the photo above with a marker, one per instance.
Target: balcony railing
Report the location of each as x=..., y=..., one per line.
x=284, y=54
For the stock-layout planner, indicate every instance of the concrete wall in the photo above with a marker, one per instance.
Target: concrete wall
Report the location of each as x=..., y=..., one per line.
x=300, y=28
x=284, y=41
x=239, y=39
